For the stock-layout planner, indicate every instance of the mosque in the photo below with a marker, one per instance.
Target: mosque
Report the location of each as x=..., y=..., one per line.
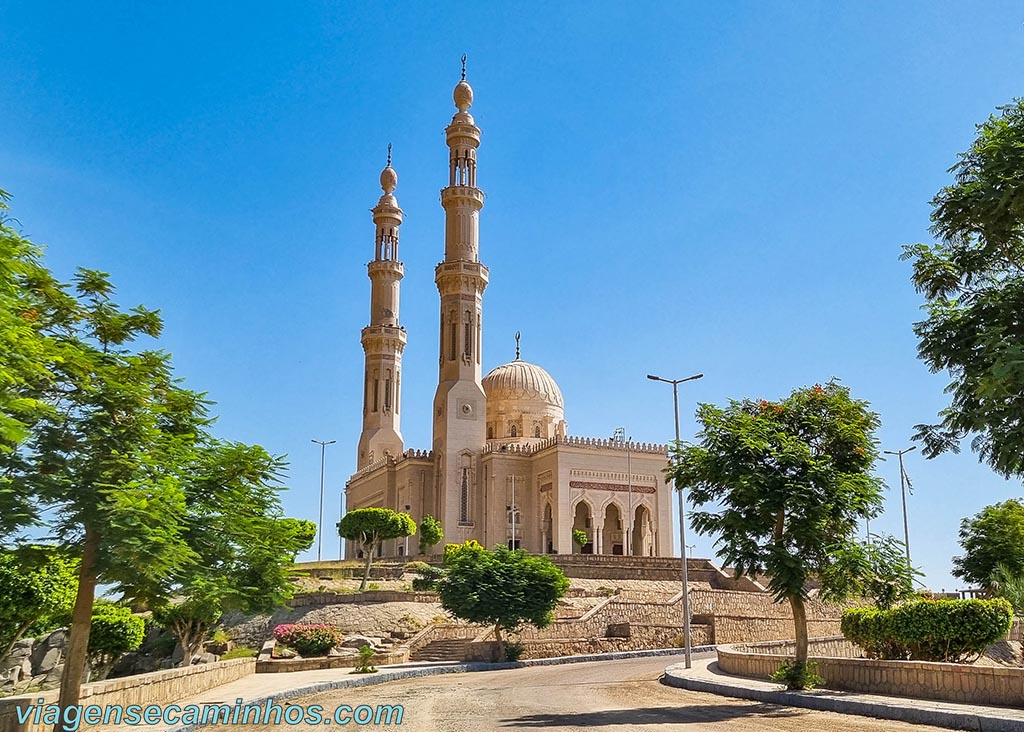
x=502, y=468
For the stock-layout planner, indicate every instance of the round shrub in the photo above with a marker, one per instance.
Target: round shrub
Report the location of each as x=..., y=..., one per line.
x=115, y=630
x=308, y=639
x=955, y=631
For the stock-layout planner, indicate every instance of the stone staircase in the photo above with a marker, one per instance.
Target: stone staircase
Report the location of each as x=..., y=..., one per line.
x=443, y=649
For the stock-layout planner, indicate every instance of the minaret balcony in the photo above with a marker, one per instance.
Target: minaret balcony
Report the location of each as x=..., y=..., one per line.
x=387, y=266
x=462, y=194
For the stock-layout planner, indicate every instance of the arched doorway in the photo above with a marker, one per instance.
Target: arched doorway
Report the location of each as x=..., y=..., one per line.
x=612, y=530
x=641, y=538
x=546, y=540
x=582, y=520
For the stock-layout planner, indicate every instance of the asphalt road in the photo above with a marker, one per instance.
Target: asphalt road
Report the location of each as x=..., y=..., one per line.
x=610, y=696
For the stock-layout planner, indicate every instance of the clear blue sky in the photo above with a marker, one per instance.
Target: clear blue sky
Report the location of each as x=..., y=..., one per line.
x=672, y=188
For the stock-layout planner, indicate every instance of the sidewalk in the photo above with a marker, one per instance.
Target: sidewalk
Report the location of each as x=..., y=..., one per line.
x=705, y=676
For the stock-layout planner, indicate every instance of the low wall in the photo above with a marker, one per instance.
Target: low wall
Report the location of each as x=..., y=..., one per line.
x=743, y=617
x=611, y=567
x=953, y=682
x=286, y=665
x=159, y=687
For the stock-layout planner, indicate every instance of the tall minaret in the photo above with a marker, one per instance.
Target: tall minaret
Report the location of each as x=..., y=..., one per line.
x=383, y=339
x=459, y=407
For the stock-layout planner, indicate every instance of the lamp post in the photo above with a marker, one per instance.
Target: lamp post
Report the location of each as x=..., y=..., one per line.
x=682, y=513
x=407, y=509
x=320, y=523
x=904, y=484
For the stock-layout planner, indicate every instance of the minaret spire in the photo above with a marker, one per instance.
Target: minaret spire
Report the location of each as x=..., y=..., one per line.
x=383, y=339
x=459, y=403
x=517, y=345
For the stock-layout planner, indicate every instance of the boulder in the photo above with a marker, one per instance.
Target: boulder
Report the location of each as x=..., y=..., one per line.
x=57, y=639
x=358, y=641
x=53, y=676
x=45, y=662
x=10, y=676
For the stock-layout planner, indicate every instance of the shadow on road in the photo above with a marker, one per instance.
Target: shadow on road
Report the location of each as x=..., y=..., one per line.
x=653, y=715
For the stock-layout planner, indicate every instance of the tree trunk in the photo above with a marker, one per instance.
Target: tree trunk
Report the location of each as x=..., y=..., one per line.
x=81, y=623
x=501, y=643
x=369, y=560
x=800, y=626
x=17, y=636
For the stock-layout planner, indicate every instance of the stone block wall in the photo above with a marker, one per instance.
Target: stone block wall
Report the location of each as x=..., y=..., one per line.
x=963, y=683
x=159, y=687
x=316, y=599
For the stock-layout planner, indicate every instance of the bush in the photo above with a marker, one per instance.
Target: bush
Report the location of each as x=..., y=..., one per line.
x=428, y=576
x=797, y=676
x=580, y=537
x=364, y=666
x=239, y=652
x=115, y=630
x=955, y=631
x=513, y=650
x=308, y=639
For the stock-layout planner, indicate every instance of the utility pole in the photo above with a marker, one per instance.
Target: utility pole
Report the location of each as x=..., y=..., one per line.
x=320, y=522
x=904, y=487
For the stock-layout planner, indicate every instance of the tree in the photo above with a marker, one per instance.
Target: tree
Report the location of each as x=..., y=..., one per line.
x=368, y=527
x=242, y=547
x=503, y=588
x=1008, y=584
x=37, y=590
x=431, y=533
x=973, y=282
x=785, y=484
x=876, y=569
x=580, y=538
x=98, y=432
x=990, y=538
x=115, y=630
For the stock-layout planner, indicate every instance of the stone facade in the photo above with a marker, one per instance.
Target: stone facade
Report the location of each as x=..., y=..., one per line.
x=159, y=687
x=952, y=682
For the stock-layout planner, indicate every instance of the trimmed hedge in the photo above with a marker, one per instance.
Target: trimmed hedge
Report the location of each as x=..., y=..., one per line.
x=308, y=639
x=955, y=631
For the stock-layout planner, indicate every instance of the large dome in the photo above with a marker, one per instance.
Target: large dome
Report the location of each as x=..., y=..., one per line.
x=522, y=381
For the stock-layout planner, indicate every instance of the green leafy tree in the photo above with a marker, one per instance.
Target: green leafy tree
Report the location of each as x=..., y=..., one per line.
x=580, y=538
x=1009, y=584
x=990, y=538
x=115, y=630
x=37, y=591
x=368, y=527
x=242, y=547
x=783, y=485
x=431, y=533
x=973, y=280
x=878, y=570
x=504, y=588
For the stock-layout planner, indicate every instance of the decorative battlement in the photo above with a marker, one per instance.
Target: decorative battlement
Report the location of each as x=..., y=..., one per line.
x=592, y=443
x=390, y=460
x=462, y=194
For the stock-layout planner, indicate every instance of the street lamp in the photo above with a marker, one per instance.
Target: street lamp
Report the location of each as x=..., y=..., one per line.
x=320, y=524
x=904, y=484
x=682, y=513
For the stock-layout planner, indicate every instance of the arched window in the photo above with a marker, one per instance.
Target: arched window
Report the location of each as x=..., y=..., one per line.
x=468, y=335
x=387, y=392
x=453, y=345
x=513, y=431
x=464, y=497
x=536, y=430
x=490, y=433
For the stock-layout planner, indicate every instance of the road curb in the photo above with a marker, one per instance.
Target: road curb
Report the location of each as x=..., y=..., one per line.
x=823, y=700
x=382, y=677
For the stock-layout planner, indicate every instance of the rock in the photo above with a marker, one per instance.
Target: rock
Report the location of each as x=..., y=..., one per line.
x=22, y=649
x=44, y=663
x=11, y=676
x=358, y=641
x=282, y=652
x=53, y=677
x=166, y=663
x=56, y=639
x=205, y=658
x=178, y=654
x=26, y=668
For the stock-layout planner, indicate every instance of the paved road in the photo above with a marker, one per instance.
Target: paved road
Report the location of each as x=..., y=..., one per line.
x=611, y=696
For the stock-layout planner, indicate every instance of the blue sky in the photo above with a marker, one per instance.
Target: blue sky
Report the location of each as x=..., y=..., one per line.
x=672, y=188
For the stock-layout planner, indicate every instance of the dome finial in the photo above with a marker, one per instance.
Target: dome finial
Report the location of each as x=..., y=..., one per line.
x=463, y=67
x=517, y=345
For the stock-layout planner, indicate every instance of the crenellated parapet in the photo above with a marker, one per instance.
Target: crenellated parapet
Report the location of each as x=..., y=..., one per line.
x=591, y=443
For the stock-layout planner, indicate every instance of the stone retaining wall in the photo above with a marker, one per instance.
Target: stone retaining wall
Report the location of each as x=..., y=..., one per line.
x=310, y=599
x=610, y=566
x=953, y=682
x=159, y=687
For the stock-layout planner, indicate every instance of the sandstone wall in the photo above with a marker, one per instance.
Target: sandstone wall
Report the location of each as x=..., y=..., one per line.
x=953, y=682
x=159, y=687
